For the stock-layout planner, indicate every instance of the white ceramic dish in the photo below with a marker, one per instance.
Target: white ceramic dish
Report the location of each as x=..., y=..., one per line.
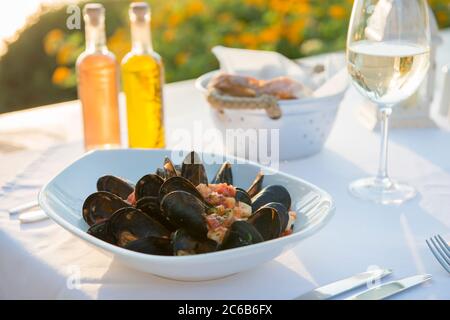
x=63, y=196
x=307, y=121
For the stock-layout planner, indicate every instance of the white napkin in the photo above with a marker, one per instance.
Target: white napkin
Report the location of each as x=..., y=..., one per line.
x=267, y=65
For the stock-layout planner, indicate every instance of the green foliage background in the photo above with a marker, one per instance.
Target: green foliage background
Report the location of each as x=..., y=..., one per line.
x=38, y=67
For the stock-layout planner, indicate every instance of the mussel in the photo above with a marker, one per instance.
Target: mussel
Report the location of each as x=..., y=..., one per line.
x=185, y=244
x=130, y=224
x=240, y=233
x=179, y=184
x=115, y=185
x=100, y=205
x=272, y=193
x=256, y=186
x=150, y=206
x=268, y=223
x=101, y=231
x=282, y=212
x=169, y=168
x=243, y=196
x=224, y=174
x=148, y=186
x=185, y=211
x=193, y=169
x=151, y=245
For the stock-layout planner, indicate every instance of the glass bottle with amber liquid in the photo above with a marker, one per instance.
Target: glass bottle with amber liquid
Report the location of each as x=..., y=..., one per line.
x=143, y=79
x=98, y=84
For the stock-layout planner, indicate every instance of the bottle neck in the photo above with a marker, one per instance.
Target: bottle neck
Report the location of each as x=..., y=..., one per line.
x=95, y=39
x=141, y=39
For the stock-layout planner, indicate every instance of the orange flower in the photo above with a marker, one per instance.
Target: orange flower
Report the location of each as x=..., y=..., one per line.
x=175, y=19
x=169, y=35
x=302, y=8
x=270, y=34
x=181, y=58
x=119, y=43
x=337, y=12
x=60, y=75
x=249, y=40
x=293, y=32
x=441, y=17
x=195, y=7
x=53, y=40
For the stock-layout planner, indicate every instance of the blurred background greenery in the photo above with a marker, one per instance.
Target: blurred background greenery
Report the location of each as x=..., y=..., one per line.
x=38, y=67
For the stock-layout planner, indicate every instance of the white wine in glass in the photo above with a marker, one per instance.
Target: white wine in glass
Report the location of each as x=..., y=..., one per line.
x=388, y=55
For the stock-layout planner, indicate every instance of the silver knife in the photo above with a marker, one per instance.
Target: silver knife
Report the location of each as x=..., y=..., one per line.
x=388, y=289
x=333, y=289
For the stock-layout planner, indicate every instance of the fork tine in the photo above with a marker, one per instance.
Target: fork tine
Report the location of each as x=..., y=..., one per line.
x=445, y=251
x=444, y=242
x=437, y=256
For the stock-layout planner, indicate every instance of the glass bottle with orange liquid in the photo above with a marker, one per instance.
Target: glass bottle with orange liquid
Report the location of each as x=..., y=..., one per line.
x=98, y=84
x=143, y=79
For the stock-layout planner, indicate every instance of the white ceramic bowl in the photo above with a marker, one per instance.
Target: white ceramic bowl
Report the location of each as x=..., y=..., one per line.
x=63, y=196
x=305, y=123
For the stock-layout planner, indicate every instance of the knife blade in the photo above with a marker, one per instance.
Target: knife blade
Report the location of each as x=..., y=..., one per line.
x=333, y=289
x=390, y=288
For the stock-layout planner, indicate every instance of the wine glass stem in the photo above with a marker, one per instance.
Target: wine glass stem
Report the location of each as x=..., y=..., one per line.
x=383, y=165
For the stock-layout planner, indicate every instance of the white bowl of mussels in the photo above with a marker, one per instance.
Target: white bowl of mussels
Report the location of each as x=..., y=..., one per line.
x=184, y=215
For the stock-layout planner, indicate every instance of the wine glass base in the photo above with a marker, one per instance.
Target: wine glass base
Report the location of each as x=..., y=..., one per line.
x=383, y=191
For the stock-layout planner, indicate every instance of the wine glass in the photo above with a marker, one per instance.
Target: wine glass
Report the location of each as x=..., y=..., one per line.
x=388, y=55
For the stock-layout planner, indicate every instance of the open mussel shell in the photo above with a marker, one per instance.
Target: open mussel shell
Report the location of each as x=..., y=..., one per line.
x=148, y=186
x=272, y=193
x=240, y=233
x=282, y=212
x=193, y=169
x=256, y=186
x=100, y=206
x=169, y=168
x=160, y=172
x=179, y=184
x=150, y=206
x=151, y=245
x=185, y=211
x=115, y=185
x=268, y=223
x=130, y=224
x=243, y=196
x=185, y=244
x=224, y=174
x=101, y=231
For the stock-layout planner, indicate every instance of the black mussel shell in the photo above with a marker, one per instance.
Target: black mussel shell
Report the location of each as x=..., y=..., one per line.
x=224, y=174
x=129, y=224
x=169, y=168
x=185, y=244
x=115, y=185
x=150, y=206
x=256, y=186
x=193, y=169
x=101, y=231
x=185, y=211
x=161, y=173
x=151, y=245
x=282, y=212
x=243, y=196
x=100, y=206
x=268, y=223
x=241, y=233
x=148, y=186
x=179, y=184
x=272, y=193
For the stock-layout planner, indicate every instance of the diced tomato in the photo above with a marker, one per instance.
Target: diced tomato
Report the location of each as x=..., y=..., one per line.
x=229, y=202
x=213, y=223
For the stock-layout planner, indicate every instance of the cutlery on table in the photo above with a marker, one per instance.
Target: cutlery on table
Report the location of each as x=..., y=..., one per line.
x=23, y=207
x=441, y=251
x=390, y=288
x=333, y=289
x=26, y=215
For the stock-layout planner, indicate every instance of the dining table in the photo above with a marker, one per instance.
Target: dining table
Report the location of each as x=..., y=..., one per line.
x=41, y=260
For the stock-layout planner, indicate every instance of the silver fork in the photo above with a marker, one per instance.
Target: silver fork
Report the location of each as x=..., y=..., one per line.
x=441, y=250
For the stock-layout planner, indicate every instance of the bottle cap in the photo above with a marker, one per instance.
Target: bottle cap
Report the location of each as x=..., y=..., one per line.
x=94, y=13
x=139, y=12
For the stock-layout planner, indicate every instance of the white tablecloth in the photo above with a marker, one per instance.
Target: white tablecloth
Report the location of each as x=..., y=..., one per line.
x=42, y=260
